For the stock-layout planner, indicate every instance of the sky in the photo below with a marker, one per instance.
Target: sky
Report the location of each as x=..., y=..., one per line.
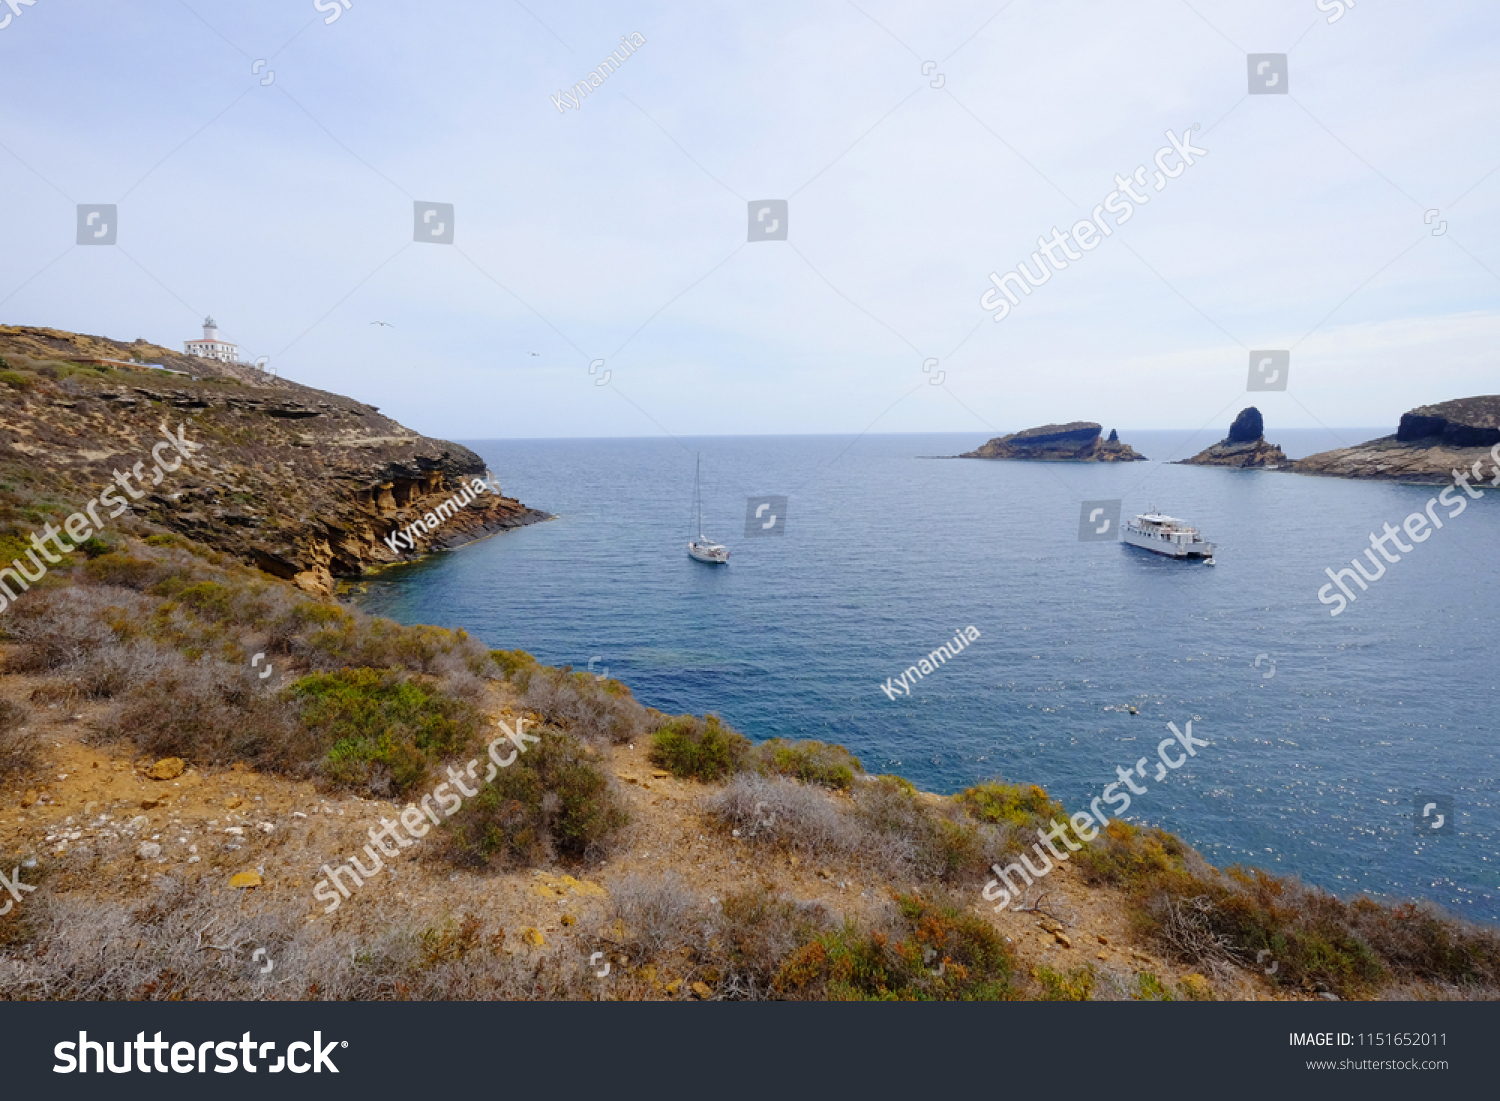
x=266, y=161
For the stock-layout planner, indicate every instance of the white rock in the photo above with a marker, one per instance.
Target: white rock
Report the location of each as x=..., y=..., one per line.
x=149, y=850
x=138, y=823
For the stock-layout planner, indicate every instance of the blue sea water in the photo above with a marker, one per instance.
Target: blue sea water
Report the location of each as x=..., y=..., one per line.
x=1317, y=752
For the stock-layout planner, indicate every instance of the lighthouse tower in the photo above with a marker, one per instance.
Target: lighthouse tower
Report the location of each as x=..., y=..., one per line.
x=211, y=347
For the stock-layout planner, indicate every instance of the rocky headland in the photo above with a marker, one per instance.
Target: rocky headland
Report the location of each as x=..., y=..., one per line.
x=1245, y=447
x=1075, y=442
x=303, y=484
x=1430, y=443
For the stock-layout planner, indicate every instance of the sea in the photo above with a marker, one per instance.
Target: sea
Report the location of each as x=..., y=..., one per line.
x=1329, y=736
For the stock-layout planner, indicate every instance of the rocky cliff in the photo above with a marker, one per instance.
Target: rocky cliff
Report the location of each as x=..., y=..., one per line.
x=1430, y=443
x=304, y=484
x=1245, y=447
x=1075, y=442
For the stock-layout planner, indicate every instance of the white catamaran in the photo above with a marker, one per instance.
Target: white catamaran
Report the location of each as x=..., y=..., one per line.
x=1165, y=535
x=703, y=548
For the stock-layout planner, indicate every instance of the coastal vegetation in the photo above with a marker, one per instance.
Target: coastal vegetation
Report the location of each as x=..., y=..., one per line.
x=154, y=681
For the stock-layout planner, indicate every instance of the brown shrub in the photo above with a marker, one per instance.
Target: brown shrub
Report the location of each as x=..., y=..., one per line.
x=20, y=754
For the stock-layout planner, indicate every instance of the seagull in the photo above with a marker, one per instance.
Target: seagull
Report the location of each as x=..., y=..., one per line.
x=536, y=353
x=387, y=324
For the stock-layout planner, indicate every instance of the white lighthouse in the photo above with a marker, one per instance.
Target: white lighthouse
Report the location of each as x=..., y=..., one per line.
x=211, y=347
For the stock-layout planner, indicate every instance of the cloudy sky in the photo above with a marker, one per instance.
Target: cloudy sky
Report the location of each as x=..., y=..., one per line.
x=919, y=145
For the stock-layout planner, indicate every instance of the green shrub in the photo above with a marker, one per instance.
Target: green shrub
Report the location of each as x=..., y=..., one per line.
x=511, y=662
x=942, y=954
x=1132, y=858
x=1010, y=804
x=1076, y=985
x=376, y=723
x=1148, y=988
x=94, y=547
x=17, y=381
x=554, y=800
x=809, y=761
x=699, y=749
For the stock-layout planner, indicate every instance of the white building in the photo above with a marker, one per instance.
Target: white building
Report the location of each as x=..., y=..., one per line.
x=211, y=347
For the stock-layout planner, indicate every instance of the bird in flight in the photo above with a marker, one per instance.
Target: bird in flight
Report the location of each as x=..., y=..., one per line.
x=387, y=324
x=536, y=353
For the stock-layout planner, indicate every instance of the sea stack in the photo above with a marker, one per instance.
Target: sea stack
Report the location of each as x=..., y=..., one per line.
x=1075, y=442
x=1245, y=447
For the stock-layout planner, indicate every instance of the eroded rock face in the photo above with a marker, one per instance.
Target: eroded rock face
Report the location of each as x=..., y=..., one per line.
x=1466, y=422
x=1431, y=443
x=303, y=484
x=1247, y=426
x=1075, y=442
x=1244, y=448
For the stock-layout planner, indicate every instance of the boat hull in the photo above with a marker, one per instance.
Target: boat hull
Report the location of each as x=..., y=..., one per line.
x=1169, y=548
x=716, y=556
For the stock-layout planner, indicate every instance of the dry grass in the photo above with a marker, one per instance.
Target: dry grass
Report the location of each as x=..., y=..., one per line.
x=20, y=755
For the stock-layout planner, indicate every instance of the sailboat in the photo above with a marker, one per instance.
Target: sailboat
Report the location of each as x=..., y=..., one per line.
x=703, y=548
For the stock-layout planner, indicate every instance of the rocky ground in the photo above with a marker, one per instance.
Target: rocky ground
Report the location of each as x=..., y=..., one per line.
x=104, y=826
